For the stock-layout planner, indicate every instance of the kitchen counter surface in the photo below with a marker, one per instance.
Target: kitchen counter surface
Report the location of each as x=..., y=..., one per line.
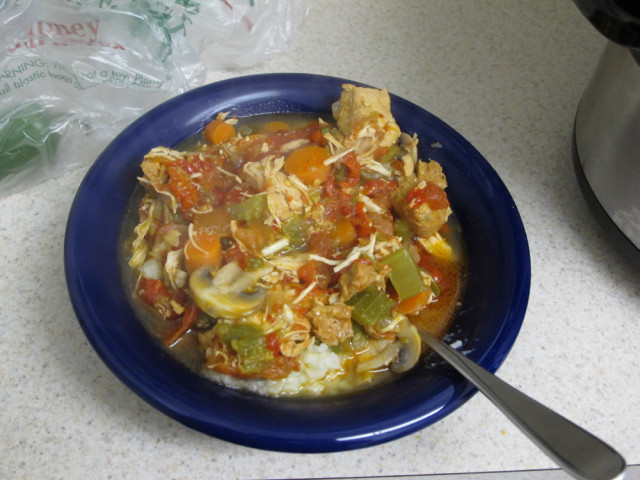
x=508, y=76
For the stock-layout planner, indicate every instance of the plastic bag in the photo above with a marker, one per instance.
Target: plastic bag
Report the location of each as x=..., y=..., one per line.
x=74, y=73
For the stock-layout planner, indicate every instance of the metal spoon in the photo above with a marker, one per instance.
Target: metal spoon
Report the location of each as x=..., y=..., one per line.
x=575, y=450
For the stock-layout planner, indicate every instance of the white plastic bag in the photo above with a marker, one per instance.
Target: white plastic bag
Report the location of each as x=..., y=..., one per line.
x=74, y=73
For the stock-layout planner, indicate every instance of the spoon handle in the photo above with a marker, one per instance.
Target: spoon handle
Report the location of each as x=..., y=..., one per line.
x=574, y=449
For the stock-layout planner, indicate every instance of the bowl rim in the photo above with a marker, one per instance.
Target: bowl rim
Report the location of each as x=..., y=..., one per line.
x=290, y=429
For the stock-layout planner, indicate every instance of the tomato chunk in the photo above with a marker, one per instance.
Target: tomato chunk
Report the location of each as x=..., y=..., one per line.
x=431, y=194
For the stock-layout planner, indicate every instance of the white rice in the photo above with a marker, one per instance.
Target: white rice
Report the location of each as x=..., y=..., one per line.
x=318, y=367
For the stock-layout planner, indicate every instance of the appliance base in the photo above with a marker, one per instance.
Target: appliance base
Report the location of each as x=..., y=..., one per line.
x=617, y=236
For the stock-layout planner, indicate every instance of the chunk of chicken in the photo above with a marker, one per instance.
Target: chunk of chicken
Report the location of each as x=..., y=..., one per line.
x=424, y=220
x=432, y=172
x=364, y=116
x=332, y=323
x=359, y=276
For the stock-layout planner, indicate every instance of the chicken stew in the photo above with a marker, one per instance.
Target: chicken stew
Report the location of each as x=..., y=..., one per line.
x=294, y=254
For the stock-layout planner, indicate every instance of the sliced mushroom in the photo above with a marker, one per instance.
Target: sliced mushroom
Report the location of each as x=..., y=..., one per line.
x=229, y=292
x=379, y=355
x=399, y=355
x=410, y=347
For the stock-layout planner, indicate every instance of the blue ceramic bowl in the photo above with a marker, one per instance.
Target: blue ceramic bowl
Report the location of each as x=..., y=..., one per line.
x=490, y=317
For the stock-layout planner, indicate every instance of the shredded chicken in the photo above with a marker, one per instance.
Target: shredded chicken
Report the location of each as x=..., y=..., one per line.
x=156, y=172
x=172, y=267
x=139, y=244
x=298, y=335
x=285, y=196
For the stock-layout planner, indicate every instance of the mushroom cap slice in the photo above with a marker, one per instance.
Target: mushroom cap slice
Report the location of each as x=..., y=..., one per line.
x=384, y=352
x=229, y=292
x=410, y=347
x=399, y=355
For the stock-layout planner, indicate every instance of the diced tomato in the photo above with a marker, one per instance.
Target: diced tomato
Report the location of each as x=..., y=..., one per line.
x=320, y=243
x=254, y=236
x=226, y=369
x=361, y=221
x=234, y=254
x=278, y=139
x=273, y=343
x=180, y=296
x=194, y=164
x=313, y=124
x=317, y=138
x=307, y=272
x=157, y=295
x=329, y=185
x=205, y=169
x=397, y=164
x=237, y=194
x=444, y=273
x=331, y=208
x=311, y=132
x=218, y=180
x=151, y=290
x=249, y=148
x=347, y=204
x=314, y=271
x=382, y=222
x=353, y=175
x=378, y=185
x=188, y=319
x=182, y=187
x=281, y=367
x=431, y=264
x=431, y=194
x=339, y=206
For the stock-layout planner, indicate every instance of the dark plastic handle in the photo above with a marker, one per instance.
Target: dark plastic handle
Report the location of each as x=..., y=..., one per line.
x=618, y=20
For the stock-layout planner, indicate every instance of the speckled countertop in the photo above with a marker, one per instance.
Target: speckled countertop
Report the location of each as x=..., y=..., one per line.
x=508, y=76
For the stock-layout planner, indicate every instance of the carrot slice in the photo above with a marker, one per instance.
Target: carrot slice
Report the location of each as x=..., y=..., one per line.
x=206, y=251
x=218, y=131
x=344, y=233
x=307, y=163
x=414, y=304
